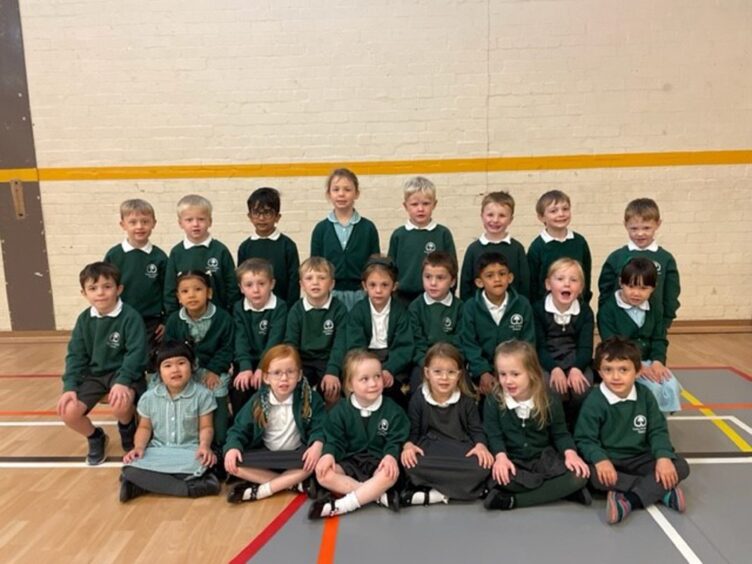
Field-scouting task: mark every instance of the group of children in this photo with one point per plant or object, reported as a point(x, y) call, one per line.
point(243, 369)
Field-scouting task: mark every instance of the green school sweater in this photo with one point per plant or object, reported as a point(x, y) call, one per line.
point(283, 256)
point(100, 345)
point(215, 260)
point(142, 276)
point(399, 334)
point(623, 430)
point(319, 334)
point(408, 248)
point(348, 434)
point(215, 351)
point(246, 434)
point(582, 327)
point(479, 335)
point(524, 440)
point(348, 262)
point(665, 298)
point(513, 251)
point(256, 332)
point(541, 255)
point(651, 337)
point(432, 324)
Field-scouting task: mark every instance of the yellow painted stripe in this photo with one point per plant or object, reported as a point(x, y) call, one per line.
point(722, 425)
point(425, 166)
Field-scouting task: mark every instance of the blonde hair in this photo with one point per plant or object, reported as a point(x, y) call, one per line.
point(194, 201)
point(526, 352)
point(450, 352)
point(136, 205)
point(316, 264)
point(563, 263)
point(352, 359)
point(260, 408)
point(419, 184)
point(501, 198)
point(644, 208)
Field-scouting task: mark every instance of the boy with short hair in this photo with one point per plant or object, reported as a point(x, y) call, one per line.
point(268, 243)
point(419, 236)
point(642, 218)
point(494, 315)
point(624, 436)
point(316, 326)
point(142, 267)
point(556, 241)
point(200, 251)
point(496, 214)
point(435, 315)
point(106, 357)
point(260, 322)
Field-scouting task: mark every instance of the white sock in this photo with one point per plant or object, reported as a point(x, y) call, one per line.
point(346, 504)
point(265, 490)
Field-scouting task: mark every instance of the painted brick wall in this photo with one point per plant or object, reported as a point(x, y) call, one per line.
point(189, 82)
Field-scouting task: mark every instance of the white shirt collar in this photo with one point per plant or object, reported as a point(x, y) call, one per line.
point(652, 247)
point(644, 306)
point(270, 304)
point(274, 401)
point(308, 306)
point(410, 226)
point(187, 244)
point(114, 313)
point(127, 247)
point(354, 218)
point(484, 240)
point(272, 237)
point(208, 314)
point(384, 312)
point(454, 398)
point(368, 410)
point(523, 409)
point(492, 306)
point(561, 318)
point(612, 398)
point(547, 237)
point(447, 301)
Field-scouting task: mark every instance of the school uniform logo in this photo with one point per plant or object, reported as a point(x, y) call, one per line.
point(212, 265)
point(447, 324)
point(657, 266)
point(151, 271)
point(516, 322)
point(640, 424)
point(113, 340)
point(383, 428)
point(430, 247)
point(264, 327)
point(328, 327)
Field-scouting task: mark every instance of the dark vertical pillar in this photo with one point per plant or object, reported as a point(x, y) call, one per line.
point(27, 272)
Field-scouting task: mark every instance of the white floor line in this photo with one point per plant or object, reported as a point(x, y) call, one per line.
point(720, 460)
point(680, 544)
point(733, 418)
point(80, 465)
point(741, 424)
point(46, 423)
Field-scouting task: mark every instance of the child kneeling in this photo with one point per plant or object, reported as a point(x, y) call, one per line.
point(278, 435)
point(172, 453)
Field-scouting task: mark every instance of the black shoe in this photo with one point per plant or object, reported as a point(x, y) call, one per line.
point(322, 508)
point(581, 496)
point(393, 499)
point(208, 484)
point(242, 491)
point(127, 433)
point(407, 498)
point(311, 488)
point(129, 490)
point(496, 499)
point(97, 447)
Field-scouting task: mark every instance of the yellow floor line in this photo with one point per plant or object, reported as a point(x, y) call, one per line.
point(721, 424)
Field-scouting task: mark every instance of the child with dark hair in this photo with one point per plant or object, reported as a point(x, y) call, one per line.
point(267, 242)
point(628, 313)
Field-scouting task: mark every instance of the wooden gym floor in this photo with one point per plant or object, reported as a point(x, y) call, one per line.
point(54, 508)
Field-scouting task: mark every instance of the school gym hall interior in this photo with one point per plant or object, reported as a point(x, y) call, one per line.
point(103, 101)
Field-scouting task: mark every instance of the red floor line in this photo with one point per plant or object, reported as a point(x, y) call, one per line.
point(9, 376)
point(733, 369)
point(271, 529)
point(47, 413)
point(328, 541)
point(719, 406)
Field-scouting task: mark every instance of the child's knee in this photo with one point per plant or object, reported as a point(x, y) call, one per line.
point(73, 412)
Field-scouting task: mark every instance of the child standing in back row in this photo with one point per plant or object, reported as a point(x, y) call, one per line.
point(420, 236)
point(345, 238)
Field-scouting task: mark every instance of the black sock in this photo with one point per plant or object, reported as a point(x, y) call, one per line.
point(634, 500)
point(96, 434)
point(128, 425)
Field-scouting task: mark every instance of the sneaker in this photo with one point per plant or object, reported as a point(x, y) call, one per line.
point(674, 499)
point(97, 447)
point(618, 507)
point(129, 490)
point(242, 491)
point(414, 495)
point(322, 508)
point(496, 499)
point(127, 434)
point(581, 496)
